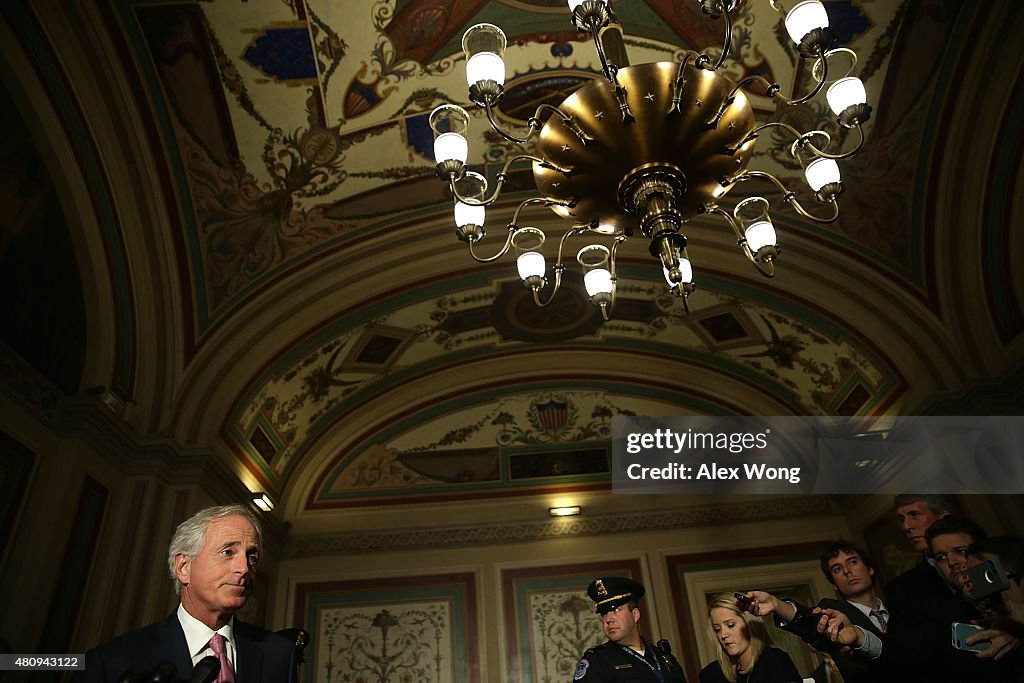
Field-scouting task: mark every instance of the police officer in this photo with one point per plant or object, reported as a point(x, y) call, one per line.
point(626, 657)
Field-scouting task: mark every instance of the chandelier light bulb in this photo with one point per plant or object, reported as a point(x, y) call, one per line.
point(844, 93)
point(450, 146)
point(597, 278)
point(450, 123)
point(680, 279)
point(531, 263)
point(685, 273)
point(821, 172)
point(573, 4)
point(469, 214)
point(804, 18)
point(760, 234)
point(485, 66)
point(758, 230)
point(484, 45)
point(598, 281)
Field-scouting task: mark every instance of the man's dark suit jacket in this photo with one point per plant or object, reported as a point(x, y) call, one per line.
point(260, 656)
point(923, 608)
point(854, 668)
point(915, 587)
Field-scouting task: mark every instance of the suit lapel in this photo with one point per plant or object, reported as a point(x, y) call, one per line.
point(248, 655)
point(173, 647)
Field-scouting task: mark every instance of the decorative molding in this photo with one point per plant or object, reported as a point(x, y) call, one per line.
point(95, 418)
point(708, 515)
point(95, 422)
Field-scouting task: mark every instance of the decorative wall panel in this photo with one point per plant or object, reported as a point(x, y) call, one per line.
point(391, 630)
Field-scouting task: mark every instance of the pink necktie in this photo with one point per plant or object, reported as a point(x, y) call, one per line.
point(227, 674)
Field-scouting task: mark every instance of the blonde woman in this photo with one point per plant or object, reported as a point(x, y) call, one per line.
point(745, 654)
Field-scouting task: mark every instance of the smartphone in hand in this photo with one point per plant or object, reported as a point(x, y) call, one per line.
point(987, 578)
point(743, 602)
point(962, 632)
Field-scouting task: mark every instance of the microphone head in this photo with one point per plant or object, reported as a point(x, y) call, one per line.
point(162, 673)
point(664, 646)
point(205, 670)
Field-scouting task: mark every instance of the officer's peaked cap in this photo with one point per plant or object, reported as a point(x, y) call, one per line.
point(609, 592)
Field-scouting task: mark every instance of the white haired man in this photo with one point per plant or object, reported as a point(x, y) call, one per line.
point(212, 560)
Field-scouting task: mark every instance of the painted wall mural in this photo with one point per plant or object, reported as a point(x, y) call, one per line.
point(401, 629)
point(403, 643)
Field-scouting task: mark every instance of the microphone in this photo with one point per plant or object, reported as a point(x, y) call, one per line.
point(664, 646)
point(205, 670)
point(162, 673)
point(132, 675)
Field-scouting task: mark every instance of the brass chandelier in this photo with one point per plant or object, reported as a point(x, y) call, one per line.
point(646, 146)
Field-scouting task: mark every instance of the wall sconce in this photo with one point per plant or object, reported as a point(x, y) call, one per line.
point(262, 501)
point(565, 511)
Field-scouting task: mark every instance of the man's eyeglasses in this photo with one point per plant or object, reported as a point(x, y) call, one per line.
point(960, 554)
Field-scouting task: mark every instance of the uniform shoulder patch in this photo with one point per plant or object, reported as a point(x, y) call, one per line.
point(581, 670)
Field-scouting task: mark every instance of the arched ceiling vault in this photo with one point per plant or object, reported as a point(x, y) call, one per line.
point(297, 302)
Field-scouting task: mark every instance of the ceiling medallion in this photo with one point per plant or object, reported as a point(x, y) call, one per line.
point(646, 146)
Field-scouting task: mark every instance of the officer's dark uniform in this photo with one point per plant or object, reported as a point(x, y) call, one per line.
point(614, 663)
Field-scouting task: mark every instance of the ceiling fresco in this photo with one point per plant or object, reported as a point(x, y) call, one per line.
point(330, 336)
point(283, 112)
point(812, 366)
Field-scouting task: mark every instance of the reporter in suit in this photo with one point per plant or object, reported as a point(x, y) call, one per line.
point(212, 560)
point(851, 572)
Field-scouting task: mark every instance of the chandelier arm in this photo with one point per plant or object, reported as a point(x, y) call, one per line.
point(607, 68)
point(768, 272)
point(731, 97)
point(772, 90)
point(612, 267)
point(741, 241)
point(543, 162)
point(561, 243)
point(824, 155)
point(608, 306)
point(762, 175)
point(502, 177)
point(559, 269)
point(789, 196)
point(714, 208)
point(504, 249)
point(569, 122)
point(803, 212)
point(777, 6)
point(703, 59)
point(678, 84)
point(546, 201)
point(817, 88)
point(802, 140)
point(620, 96)
point(533, 123)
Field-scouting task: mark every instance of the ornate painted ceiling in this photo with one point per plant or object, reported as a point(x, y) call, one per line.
point(268, 266)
